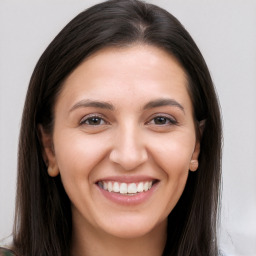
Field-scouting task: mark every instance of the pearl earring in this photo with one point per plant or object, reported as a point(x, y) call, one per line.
point(193, 165)
point(53, 172)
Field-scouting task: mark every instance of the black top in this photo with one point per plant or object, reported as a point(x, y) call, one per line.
point(6, 252)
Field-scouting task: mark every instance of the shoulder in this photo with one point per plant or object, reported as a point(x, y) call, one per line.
point(6, 252)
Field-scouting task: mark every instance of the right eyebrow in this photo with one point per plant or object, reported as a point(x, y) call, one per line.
point(92, 103)
point(164, 102)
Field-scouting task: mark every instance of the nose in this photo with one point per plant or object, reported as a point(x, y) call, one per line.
point(129, 151)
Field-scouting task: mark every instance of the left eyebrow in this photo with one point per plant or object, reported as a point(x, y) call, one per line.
point(163, 102)
point(92, 103)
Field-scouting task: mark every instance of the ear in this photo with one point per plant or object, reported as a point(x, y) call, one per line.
point(48, 152)
point(194, 163)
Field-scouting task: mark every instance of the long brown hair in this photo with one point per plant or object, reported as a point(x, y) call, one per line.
point(43, 216)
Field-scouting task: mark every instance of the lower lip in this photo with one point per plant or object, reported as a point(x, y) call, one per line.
point(128, 199)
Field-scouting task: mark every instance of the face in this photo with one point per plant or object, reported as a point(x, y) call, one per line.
point(124, 140)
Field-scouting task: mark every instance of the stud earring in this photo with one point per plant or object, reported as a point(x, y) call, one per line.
point(53, 172)
point(193, 165)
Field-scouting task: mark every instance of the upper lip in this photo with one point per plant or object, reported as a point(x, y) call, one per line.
point(127, 179)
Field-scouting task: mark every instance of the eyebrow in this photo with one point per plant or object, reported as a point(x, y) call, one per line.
point(163, 102)
point(92, 103)
point(105, 105)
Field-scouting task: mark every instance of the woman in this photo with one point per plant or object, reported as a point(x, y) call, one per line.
point(120, 144)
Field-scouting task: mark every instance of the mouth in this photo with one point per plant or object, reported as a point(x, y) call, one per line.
point(129, 189)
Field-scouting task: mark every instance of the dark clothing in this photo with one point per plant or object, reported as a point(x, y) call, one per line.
point(6, 252)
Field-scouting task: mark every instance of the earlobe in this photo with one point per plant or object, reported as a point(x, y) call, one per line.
point(53, 171)
point(48, 152)
point(193, 166)
point(194, 163)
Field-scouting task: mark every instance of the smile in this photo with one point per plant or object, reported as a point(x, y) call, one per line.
point(126, 188)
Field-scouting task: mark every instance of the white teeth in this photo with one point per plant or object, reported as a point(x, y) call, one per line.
point(132, 189)
point(140, 187)
point(116, 187)
point(109, 186)
point(125, 188)
point(146, 186)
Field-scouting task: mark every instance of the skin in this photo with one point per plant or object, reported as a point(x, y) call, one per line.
point(134, 138)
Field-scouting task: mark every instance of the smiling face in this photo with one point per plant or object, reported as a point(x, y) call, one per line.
point(124, 140)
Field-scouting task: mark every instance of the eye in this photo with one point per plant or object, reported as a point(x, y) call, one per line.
point(93, 121)
point(162, 120)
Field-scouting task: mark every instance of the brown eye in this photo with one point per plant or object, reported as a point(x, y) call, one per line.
point(93, 121)
point(162, 120)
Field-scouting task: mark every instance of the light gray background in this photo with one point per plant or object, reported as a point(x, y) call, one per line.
point(225, 31)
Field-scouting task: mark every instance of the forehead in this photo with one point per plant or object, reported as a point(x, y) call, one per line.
point(144, 57)
point(137, 71)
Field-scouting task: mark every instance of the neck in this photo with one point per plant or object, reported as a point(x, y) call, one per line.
point(90, 243)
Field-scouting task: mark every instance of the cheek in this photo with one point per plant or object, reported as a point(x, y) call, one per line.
point(173, 157)
point(77, 154)
point(173, 154)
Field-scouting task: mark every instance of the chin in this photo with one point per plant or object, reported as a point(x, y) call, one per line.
point(130, 229)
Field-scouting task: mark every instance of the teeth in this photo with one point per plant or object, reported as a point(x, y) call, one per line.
point(116, 187)
point(140, 187)
point(132, 189)
point(125, 188)
point(109, 186)
point(146, 186)
point(105, 186)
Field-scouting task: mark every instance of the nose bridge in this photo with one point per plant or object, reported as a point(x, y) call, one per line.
point(129, 149)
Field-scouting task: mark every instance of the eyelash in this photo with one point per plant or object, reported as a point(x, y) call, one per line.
point(167, 119)
point(90, 118)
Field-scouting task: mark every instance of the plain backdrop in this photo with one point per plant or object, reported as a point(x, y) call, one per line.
point(225, 31)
